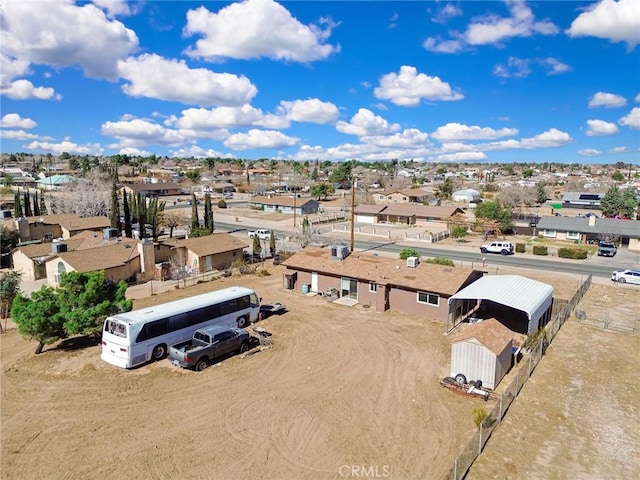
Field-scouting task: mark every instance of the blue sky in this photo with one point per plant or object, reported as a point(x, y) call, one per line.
point(500, 81)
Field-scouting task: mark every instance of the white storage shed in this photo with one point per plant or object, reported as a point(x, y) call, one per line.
point(482, 351)
point(466, 195)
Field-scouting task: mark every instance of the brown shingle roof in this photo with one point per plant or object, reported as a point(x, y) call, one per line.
point(94, 259)
point(420, 211)
point(210, 245)
point(152, 187)
point(72, 222)
point(369, 209)
point(490, 333)
point(82, 241)
point(383, 270)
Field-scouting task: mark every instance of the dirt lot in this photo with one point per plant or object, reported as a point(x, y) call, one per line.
point(577, 417)
point(341, 387)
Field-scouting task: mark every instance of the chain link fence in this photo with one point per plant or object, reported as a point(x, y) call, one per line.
point(523, 371)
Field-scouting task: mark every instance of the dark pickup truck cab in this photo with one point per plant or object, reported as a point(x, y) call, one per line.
point(208, 344)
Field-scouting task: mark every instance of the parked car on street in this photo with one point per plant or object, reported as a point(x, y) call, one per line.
point(626, 276)
point(503, 248)
point(607, 249)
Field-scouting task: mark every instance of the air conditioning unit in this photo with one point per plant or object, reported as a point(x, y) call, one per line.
point(4, 214)
point(412, 262)
point(339, 252)
point(58, 247)
point(109, 233)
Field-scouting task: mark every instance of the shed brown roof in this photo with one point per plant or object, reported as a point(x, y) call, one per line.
point(153, 187)
point(71, 221)
point(490, 333)
point(370, 209)
point(82, 241)
point(210, 244)
point(383, 270)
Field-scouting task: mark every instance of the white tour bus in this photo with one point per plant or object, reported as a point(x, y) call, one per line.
point(133, 338)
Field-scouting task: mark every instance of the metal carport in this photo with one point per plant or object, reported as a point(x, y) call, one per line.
point(534, 299)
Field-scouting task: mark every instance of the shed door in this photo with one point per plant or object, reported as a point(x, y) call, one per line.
point(314, 281)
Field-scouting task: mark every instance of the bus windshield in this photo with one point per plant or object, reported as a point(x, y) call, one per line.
point(115, 328)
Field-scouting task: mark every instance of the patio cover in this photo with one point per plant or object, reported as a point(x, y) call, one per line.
point(514, 291)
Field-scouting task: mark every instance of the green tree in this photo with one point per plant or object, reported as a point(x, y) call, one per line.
point(527, 173)
point(43, 205)
point(36, 204)
point(208, 213)
point(27, 205)
point(322, 190)
point(272, 243)
point(541, 193)
point(9, 289)
point(458, 232)
point(630, 203)
point(127, 216)
point(314, 173)
point(38, 317)
point(494, 211)
point(198, 232)
point(342, 173)
point(408, 252)
point(17, 205)
point(87, 299)
point(193, 175)
point(445, 189)
point(9, 239)
point(114, 215)
point(257, 247)
point(611, 203)
point(195, 222)
point(617, 176)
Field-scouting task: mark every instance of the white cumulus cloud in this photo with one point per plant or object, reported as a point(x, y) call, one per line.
point(66, 146)
point(408, 87)
point(366, 123)
point(632, 119)
point(202, 119)
point(311, 110)
point(552, 138)
point(61, 34)
point(255, 138)
point(139, 133)
point(254, 29)
point(13, 120)
point(589, 152)
point(153, 76)
point(408, 138)
point(607, 100)
point(114, 8)
point(600, 128)
point(613, 20)
point(25, 90)
point(459, 132)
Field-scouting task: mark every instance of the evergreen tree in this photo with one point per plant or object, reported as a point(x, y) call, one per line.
point(43, 205)
point(195, 222)
point(257, 247)
point(36, 204)
point(127, 216)
point(114, 217)
point(272, 243)
point(27, 205)
point(208, 213)
point(17, 205)
point(38, 317)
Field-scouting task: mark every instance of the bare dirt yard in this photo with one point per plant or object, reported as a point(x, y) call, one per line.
point(342, 387)
point(577, 417)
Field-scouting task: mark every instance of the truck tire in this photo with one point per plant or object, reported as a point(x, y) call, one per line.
point(244, 348)
point(483, 250)
point(201, 365)
point(504, 252)
point(159, 352)
point(243, 322)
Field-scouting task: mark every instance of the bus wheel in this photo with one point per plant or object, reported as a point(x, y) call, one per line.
point(159, 352)
point(243, 322)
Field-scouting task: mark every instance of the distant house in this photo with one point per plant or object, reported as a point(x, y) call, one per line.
point(582, 200)
point(54, 182)
point(467, 195)
point(404, 213)
point(591, 229)
point(412, 195)
point(203, 254)
point(63, 225)
point(286, 204)
point(153, 189)
point(381, 283)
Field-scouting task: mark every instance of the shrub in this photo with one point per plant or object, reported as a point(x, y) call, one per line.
point(479, 416)
point(540, 250)
point(440, 261)
point(573, 253)
point(408, 252)
point(520, 247)
point(222, 203)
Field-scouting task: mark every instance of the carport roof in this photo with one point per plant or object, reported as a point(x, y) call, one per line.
point(513, 291)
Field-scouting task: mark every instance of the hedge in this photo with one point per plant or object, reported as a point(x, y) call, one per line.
point(573, 253)
point(540, 250)
point(520, 247)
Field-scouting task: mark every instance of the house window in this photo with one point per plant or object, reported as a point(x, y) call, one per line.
point(549, 233)
point(429, 298)
point(372, 287)
point(48, 236)
point(573, 235)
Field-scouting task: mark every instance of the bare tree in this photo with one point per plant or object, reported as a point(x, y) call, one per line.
point(172, 220)
point(86, 197)
point(179, 266)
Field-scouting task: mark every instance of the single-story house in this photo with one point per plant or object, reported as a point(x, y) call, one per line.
point(62, 225)
point(202, 254)
point(591, 229)
point(467, 195)
point(411, 195)
point(286, 204)
point(120, 261)
point(521, 304)
point(30, 259)
point(153, 189)
point(381, 283)
point(54, 182)
point(482, 351)
point(589, 200)
point(368, 213)
point(406, 213)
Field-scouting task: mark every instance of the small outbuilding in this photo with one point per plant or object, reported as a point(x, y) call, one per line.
point(482, 351)
point(467, 195)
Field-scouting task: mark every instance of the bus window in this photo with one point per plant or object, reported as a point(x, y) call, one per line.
point(116, 328)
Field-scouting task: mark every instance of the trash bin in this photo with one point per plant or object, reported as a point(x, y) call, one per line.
point(305, 288)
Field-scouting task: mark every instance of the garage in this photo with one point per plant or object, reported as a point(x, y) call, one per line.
point(519, 303)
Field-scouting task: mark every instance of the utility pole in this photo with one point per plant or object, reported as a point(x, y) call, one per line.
point(353, 216)
point(294, 208)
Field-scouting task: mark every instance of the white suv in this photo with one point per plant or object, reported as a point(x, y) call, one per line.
point(503, 248)
point(626, 276)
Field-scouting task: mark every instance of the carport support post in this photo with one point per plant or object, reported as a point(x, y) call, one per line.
point(480, 440)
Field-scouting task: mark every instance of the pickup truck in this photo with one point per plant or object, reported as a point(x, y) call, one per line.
point(208, 344)
point(261, 234)
point(607, 249)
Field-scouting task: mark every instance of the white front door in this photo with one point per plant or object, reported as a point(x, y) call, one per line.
point(314, 281)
